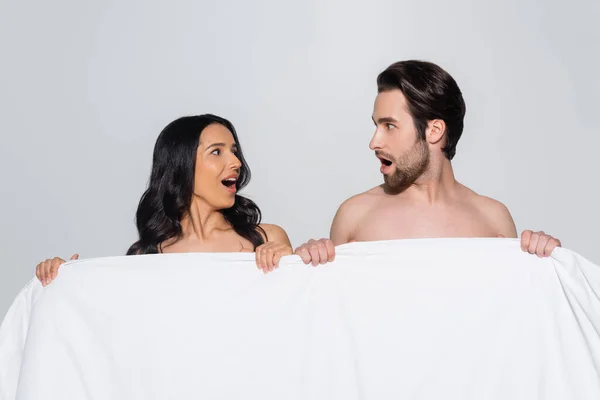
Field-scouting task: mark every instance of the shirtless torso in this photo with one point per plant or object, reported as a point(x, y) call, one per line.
point(376, 215)
point(418, 116)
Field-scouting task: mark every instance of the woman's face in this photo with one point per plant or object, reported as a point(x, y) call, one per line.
point(217, 167)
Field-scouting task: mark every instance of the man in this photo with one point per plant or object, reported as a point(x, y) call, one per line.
point(418, 115)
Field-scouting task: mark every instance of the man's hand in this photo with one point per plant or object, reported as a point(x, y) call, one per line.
point(538, 243)
point(316, 251)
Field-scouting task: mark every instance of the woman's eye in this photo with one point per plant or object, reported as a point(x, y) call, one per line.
point(216, 152)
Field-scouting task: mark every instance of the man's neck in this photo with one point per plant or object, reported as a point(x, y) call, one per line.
point(436, 184)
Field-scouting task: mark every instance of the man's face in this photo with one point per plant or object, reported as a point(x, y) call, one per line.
point(403, 154)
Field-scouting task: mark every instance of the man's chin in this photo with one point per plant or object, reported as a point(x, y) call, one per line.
point(394, 184)
point(390, 180)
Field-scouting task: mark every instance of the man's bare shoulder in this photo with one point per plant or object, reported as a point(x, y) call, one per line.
point(489, 205)
point(494, 211)
point(349, 213)
point(362, 201)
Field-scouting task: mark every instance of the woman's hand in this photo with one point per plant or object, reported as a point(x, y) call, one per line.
point(47, 270)
point(269, 254)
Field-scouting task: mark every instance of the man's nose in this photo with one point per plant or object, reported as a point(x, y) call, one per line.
point(375, 142)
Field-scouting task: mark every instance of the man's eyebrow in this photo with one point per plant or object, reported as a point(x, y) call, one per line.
point(384, 120)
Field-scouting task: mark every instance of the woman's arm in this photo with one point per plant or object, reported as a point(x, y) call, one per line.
point(277, 244)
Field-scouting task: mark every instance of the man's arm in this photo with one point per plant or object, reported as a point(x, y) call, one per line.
point(342, 225)
point(538, 243)
point(501, 219)
point(342, 228)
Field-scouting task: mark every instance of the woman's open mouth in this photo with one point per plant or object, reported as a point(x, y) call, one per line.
point(229, 184)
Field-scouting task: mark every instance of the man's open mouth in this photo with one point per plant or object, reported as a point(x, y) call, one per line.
point(385, 161)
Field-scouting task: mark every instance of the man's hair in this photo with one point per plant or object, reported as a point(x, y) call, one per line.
point(431, 94)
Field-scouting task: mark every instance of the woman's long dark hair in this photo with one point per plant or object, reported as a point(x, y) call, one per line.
point(169, 195)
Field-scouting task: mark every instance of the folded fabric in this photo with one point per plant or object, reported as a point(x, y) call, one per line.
point(408, 319)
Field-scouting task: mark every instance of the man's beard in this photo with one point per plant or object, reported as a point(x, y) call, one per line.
point(409, 167)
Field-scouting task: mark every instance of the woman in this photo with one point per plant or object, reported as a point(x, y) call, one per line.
point(192, 205)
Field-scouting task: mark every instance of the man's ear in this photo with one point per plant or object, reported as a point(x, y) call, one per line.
point(436, 128)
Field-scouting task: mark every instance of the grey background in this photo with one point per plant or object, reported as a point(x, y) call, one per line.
point(86, 86)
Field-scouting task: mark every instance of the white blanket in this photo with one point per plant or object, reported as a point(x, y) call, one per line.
point(414, 319)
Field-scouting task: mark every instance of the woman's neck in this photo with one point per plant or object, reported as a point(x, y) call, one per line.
point(202, 221)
